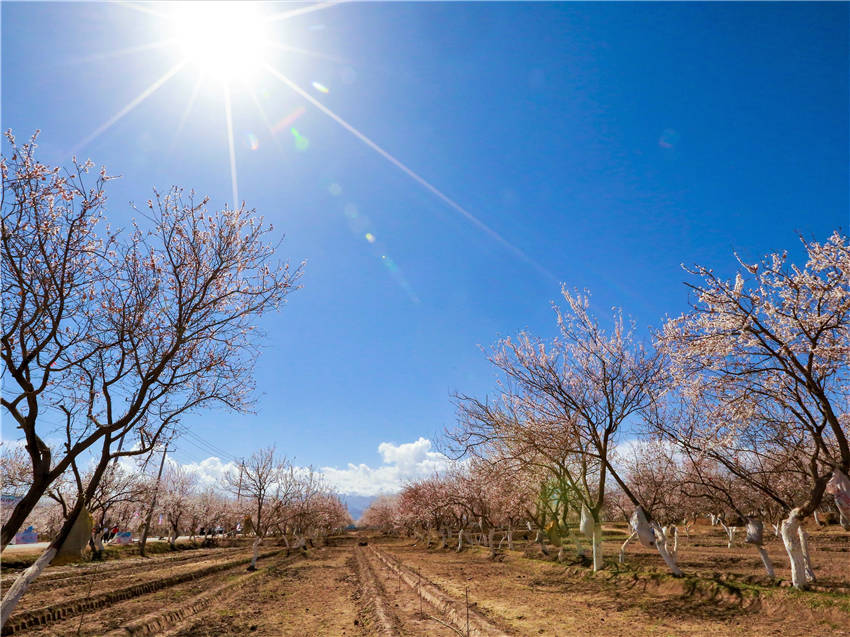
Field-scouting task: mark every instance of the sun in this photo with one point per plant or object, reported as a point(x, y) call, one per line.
point(224, 40)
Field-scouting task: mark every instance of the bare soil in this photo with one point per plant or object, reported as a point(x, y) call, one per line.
point(344, 589)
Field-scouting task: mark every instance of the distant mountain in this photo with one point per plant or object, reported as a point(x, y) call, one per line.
point(357, 504)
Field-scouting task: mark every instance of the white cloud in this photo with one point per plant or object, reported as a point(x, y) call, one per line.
point(210, 472)
point(400, 463)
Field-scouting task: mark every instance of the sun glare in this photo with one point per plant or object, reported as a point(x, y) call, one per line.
point(225, 40)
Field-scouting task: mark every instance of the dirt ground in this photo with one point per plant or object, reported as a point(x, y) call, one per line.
point(347, 589)
point(533, 596)
point(314, 596)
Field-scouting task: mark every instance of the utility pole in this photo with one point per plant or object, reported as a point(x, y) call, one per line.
point(144, 539)
point(239, 488)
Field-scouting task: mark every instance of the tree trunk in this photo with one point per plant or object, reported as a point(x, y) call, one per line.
point(253, 566)
point(597, 547)
point(460, 541)
point(622, 557)
point(539, 540)
point(491, 542)
point(23, 581)
point(804, 546)
point(730, 533)
point(671, 539)
point(97, 541)
point(661, 546)
point(755, 533)
point(651, 534)
point(791, 538)
point(444, 537)
point(765, 559)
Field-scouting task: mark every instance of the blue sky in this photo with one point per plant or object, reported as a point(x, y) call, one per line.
point(608, 143)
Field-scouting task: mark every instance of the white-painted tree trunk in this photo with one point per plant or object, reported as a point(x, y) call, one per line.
point(510, 539)
point(765, 559)
point(622, 557)
point(687, 524)
point(791, 538)
point(597, 547)
point(22, 583)
point(730, 533)
point(254, 557)
point(661, 547)
point(671, 539)
point(804, 547)
point(755, 536)
point(539, 540)
point(460, 541)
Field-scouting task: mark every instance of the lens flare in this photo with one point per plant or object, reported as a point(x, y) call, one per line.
point(321, 87)
point(253, 142)
point(289, 120)
point(370, 237)
point(301, 142)
point(399, 278)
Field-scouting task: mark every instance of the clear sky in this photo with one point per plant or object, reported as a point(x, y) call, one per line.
point(598, 144)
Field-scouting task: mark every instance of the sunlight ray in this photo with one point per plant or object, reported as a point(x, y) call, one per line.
point(265, 117)
point(285, 15)
point(234, 186)
point(141, 97)
point(106, 55)
point(294, 49)
point(142, 8)
point(413, 175)
point(185, 116)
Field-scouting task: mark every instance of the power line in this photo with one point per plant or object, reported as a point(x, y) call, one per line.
point(210, 446)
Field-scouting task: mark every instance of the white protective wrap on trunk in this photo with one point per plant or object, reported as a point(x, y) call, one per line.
point(640, 525)
point(755, 532)
point(839, 487)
